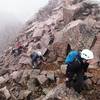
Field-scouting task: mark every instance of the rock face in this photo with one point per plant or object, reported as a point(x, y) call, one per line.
point(78, 35)
point(96, 47)
point(59, 27)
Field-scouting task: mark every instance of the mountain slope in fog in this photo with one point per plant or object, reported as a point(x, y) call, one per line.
point(9, 27)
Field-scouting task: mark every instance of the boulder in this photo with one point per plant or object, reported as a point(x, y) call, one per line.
point(96, 47)
point(24, 94)
point(98, 82)
point(42, 79)
point(60, 92)
point(90, 22)
point(77, 34)
point(51, 56)
point(44, 72)
point(37, 32)
point(2, 80)
point(34, 73)
point(51, 75)
point(6, 92)
point(61, 49)
point(32, 84)
point(2, 96)
point(58, 37)
point(63, 68)
point(6, 76)
point(25, 60)
point(46, 90)
point(97, 24)
point(26, 73)
point(45, 40)
point(16, 75)
point(70, 11)
point(3, 71)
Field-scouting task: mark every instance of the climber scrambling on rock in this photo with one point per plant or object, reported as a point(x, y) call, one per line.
point(17, 50)
point(77, 65)
point(36, 58)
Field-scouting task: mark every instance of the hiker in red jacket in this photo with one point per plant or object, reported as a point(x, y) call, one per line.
point(18, 49)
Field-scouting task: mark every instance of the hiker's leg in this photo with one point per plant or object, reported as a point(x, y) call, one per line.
point(70, 75)
point(79, 83)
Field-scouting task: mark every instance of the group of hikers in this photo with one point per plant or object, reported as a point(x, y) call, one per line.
point(77, 64)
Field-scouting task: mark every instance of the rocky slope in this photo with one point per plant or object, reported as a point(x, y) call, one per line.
point(57, 28)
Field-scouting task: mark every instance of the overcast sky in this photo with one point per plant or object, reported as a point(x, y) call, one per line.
point(23, 9)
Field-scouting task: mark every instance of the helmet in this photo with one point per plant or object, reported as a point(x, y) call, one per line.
point(87, 54)
point(39, 53)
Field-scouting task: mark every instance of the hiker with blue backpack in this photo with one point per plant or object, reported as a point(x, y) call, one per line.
point(77, 64)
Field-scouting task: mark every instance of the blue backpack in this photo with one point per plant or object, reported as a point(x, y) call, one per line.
point(72, 56)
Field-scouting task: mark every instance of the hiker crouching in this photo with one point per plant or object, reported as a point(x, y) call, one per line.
point(17, 50)
point(78, 63)
point(36, 58)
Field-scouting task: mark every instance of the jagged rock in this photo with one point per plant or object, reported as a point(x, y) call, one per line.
point(78, 35)
point(25, 60)
point(26, 73)
point(6, 76)
point(98, 82)
point(97, 25)
point(42, 79)
point(58, 37)
point(3, 71)
point(38, 32)
point(63, 68)
point(60, 60)
point(52, 55)
point(2, 80)
point(61, 49)
point(90, 22)
point(96, 47)
point(16, 75)
point(24, 94)
point(45, 40)
point(61, 92)
point(40, 98)
point(6, 92)
point(34, 73)
point(70, 11)
point(32, 84)
point(51, 75)
point(2, 96)
point(44, 72)
point(46, 90)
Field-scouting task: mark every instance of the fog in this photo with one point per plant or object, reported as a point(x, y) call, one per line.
point(13, 14)
point(22, 9)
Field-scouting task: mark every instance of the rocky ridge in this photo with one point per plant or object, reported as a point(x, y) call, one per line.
point(57, 28)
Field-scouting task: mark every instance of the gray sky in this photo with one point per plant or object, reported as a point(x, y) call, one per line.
point(22, 9)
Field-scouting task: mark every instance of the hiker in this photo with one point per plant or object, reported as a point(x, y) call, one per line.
point(77, 66)
point(36, 58)
point(17, 50)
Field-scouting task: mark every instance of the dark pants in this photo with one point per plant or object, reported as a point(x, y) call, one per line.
point(76, 77)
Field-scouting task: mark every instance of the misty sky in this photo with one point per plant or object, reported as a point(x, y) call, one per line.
point(22, 9)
